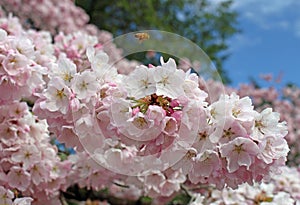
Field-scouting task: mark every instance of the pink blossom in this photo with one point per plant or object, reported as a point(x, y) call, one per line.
point(8, 133)
point(3, 35)
point(24, 46)
point(65, 69)
point(23, 201)
point(85, 85)
point(206, 164)
point(17, 110)
point(140, 82)
point(6, 196)
point(239, 152)
point(168, 79)
point(187, 162)
point(272, 148)
point(15, 64)
point(170, 126)
point(28, 155)
point(242, 109)
point(18, 178)
point(98, 58)
point(57, 96)
point(191, 87)
point(267, 123)
point(156, 113)
point(228, 131)
point(172, 184)
point(39, 173)
point(153, 182)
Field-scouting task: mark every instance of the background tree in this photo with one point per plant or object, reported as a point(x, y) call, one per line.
point(206, 24)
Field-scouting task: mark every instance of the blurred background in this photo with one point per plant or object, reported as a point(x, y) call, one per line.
point(247, 40)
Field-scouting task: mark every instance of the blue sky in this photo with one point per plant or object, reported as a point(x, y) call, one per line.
point(269, 42)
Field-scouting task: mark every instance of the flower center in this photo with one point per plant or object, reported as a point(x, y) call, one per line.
point(159, 100)
point(228, 133)
point(239, 148)
point(140, 123)
point(60, 93)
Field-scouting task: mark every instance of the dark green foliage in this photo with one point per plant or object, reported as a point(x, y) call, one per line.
point(207, 25)
point(180, 199)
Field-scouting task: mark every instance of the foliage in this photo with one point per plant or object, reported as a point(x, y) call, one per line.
point(208, 25)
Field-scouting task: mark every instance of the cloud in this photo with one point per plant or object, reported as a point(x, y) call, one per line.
point(269, 14)
point(275, 14)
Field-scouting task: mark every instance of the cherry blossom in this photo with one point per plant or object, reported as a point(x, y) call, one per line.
point(19, 73)
point(157, 130)
point(18, 178)
point(27, 155)
point(84, 85)
point(273, 191)
point(143, 79)
point(28, 160)
point(65, 69)
point(6, 196)
point(135, 125)
point(57, 96)
point(23, 201)
point(168, 79)
point(239, 152)
point(268, 123)
point(273, 148)
point(208, 162)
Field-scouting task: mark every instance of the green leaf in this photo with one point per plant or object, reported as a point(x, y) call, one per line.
point(180, 199)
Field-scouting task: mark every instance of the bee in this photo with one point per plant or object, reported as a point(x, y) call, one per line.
point(142, 36)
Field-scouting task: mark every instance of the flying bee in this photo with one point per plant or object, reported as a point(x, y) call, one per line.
point(142, 36)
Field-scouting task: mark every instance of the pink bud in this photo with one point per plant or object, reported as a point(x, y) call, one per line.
point(135, 111)
point(98, 46)
point(151, 66)
point(174, 103)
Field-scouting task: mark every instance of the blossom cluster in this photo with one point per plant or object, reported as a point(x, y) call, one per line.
point(155, 125)
point(86, 173)
point(20, 75)
point(281, 189)
point(63, 16)
point(7, 197)
point(46, 15)
point(29, 163)
point(149, 129)
point(286, 102)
